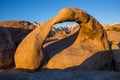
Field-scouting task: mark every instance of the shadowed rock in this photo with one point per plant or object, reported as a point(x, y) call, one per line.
point(90, 48)
point(11, 34)
point(90, 40)
point(18, 29)
point(7, 48)
point(113, 33)
point(29, 54)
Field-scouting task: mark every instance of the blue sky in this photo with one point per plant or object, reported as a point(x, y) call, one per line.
point(105, 11)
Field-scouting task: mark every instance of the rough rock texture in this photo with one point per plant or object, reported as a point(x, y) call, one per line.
point(74, 30)
point(113, 36)
point(116, 55)
point(62, 75)
point(7, 48)
point(115, 27)
point(29, 54)
point(60, 35)
point(87, 49)
point(113, 33)
point(17, 24)
point(18, 29)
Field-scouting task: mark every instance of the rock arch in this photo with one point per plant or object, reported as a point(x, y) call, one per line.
point(90, 40)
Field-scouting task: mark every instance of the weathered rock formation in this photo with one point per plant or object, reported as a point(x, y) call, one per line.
point(7, 48)
point(113, 33)
point(88, 50)
point(17, 24)
point(11, 34)
point(115, 27)
point(29, 54)
point(60, 35)
point(115, 47)
point(18, 29)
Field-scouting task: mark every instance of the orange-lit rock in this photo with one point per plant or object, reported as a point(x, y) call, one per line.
point(60, 35)
point(88, 50)
point(113, 33)
point(18, 29)
point(29, 54)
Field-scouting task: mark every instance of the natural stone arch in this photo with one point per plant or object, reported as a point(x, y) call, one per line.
point(29, 54)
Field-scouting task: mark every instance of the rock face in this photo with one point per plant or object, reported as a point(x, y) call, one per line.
point(116, 55)
point(11, 34)
point(60, 35)
point(29, 54)
point(18, 29)
point(17, 24)
point(7, 48)
point(114, 38)
point(88, 50)
point(115, 27)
